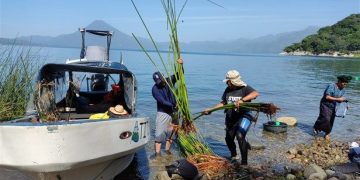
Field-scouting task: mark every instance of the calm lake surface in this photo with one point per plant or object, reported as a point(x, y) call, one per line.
point(295, 84)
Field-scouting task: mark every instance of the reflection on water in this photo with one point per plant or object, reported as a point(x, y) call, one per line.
point(295, 84)
point(327, 69)
point(7, 174)
point(137, 169)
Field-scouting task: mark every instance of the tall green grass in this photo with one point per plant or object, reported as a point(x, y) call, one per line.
point(190, 141)
point(18, 66)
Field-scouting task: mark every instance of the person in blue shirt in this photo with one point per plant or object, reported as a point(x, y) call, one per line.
point(166, 107)
point(333, 93)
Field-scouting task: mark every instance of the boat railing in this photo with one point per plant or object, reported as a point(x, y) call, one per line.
point(30, 118)
point(108, 35)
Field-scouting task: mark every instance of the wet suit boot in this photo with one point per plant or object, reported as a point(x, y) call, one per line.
point(244, 146)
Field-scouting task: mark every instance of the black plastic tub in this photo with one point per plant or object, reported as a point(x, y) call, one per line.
point(271, 126)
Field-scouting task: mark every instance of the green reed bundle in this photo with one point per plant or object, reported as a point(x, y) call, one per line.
point(190, 142)
point(267, 108)
point(17, 69)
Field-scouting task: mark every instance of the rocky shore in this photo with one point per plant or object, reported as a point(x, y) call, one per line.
point(329, 54)
point(314, 161)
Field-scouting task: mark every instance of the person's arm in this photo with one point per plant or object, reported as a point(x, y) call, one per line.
point(160, 98)
point(173, 77)
point(339, 99)
point(329, 92)
point(207, 110)
point(247, 98)
point(221, 104)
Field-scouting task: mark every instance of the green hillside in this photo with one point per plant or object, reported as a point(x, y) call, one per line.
point(342, 37)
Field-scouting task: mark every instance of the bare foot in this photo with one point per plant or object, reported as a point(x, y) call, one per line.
point(168, 152)
point(155, 156)
point(327, 137)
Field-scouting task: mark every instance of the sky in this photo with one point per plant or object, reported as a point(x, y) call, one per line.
point(201, 20)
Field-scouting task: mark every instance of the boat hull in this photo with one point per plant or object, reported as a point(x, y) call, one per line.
point(101, 171)
point(62, 146)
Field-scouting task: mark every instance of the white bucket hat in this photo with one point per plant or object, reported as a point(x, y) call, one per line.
point(234, 77)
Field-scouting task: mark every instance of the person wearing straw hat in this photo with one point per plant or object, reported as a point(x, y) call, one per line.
point(237, 92)
point(333, 95)
point(166, 107)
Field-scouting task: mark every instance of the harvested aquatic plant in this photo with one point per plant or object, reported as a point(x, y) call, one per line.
point(210, 165)
point(192, 143)
point(44, 101)
point(189, 141)
point(269, 109)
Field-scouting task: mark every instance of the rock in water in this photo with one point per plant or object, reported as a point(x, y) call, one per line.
point(314, 169)
point(162, 175)
point(290, 121)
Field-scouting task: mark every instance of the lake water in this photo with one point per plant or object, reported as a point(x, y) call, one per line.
point(295, 84)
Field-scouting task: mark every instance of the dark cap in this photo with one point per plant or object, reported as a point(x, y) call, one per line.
point(344, 78)
point(158, 78)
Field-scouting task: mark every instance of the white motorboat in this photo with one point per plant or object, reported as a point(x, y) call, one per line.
point(72, 135)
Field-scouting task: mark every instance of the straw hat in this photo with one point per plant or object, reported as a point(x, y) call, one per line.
point(118, 110)
point(234, 77)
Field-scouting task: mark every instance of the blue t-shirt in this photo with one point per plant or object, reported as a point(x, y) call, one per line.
point(333, 91)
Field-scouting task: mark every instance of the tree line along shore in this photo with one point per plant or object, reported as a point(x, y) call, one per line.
point(339, 40)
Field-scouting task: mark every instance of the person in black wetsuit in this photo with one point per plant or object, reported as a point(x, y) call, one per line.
point(236, 92)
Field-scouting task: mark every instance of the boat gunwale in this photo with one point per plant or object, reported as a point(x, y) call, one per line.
point(70, 122)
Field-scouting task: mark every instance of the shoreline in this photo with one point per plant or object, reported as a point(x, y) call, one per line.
point(333, 54)
point(317, 159)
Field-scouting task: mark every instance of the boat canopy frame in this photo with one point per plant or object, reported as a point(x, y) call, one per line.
point(108, 35)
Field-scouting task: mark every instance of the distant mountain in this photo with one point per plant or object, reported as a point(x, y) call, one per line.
point(275, 43)
point(264, 44)
point(340, 38)
point(120, 40)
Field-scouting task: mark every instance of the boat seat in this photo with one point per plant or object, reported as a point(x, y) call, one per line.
point(74, 115)
point(98, 82)
point(94, 97)
point(95, 53)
